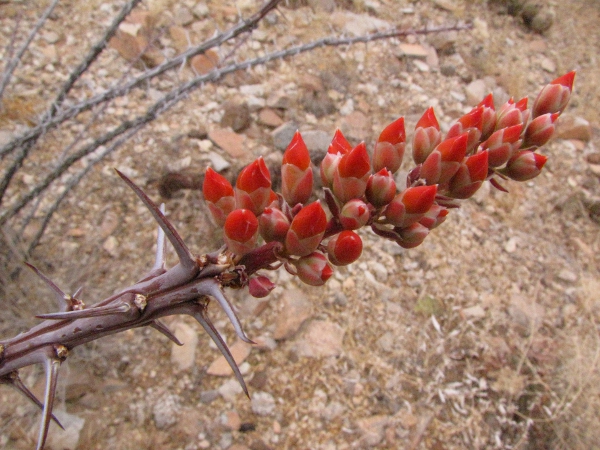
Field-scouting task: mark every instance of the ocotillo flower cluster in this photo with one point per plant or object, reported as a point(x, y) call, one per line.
point(264, 230)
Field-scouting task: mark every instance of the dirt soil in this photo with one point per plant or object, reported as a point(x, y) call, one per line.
point(485, 336)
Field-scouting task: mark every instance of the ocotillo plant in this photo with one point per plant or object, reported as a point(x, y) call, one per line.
point(265, 230)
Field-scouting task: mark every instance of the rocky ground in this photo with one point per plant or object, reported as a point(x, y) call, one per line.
point(485, 336)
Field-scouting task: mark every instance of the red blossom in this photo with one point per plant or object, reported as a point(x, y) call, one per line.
point(344, 248)
point(306, 230)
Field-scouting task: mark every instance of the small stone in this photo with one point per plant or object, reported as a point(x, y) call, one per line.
point(567, 275)
point(231, 420)
point(474, 312)
point(278, 100)
point(204, 63)
point(200, 10)
point(269, 118)
point(179, 37)
point(538, 46)
point(235, 116)
point(372, 429)
point(296, 308)
point(511, 245)
point(263, 403)
point(166, 411)
point(386, 342)
point(443, 42)
point(183, 356)
point(593, 158)
point(548, 65)
point(111, 245)
point(380, 271)
point(283, 135)
point(220, 367)
point(51, 37)
point(229, 141)
point(356, 126)
point(217, 162)
point(66, 439)
point(475, 92)
point(321, 338)
point(421, 66)
point(230, 389)
point(412, 51)
point(259, 380)
point(357, 24)
point(208, 397)
point(183, 16)
point(542, 21)
point(318, 103)
point(333, 410)
point(573, 127)
point(317, 142)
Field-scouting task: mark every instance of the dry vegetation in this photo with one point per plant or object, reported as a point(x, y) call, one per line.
point(484, 337)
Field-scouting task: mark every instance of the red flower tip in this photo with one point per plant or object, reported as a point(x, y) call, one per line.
point(394, 132)
point(381, 188)
point(260, 286)
point(478, 166)
point(473, 119)
point(310, 221)
point(567, 80)
point(354, 214)
point(524, 166)
point(453, 149)
point(419, 199)
point(241, 225)
point(254, 176)
point(216, 186)
point(296, 153)
point(487, 102)
point(428, 119)
point(339, 144)
point(345, 248)
point(355, 164)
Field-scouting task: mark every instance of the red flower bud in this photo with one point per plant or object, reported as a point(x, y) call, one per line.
point(411, 236)
point(389, 149)
point(339, 144)
point(410, 205)
point(540, 130)
point(296, 173)
point(253, 187)
point(471, 124)
point(512, 113)
point(427, 136)
point(350, 178)
point(307, 230)
point(260, 286)
point(313, 269)
point(344, 248)
point(219, 196)
point(381, 188)
point(354, 214)
point(554, 97)
point(502, 144)
point(444, 161)
point(434, 217)
point(241, 227)
point(488, 118)
point(328, 167)
point(470, 176)
point(524, 165)
point(273, 225)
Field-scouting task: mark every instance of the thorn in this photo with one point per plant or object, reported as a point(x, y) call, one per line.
point(203, 319)
point(214, 289)
point(185, 257)
point(161, 246)
point(52, 366)
point(119, 308)
point(162, 328)
point(497, 185)
point(14, 380)
point(65, 302)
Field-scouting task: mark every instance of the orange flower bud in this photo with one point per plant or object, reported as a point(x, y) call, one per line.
point(441, 165)
point(389, 149)
point(524, 165)
point(350, 178)
point(219, 196)
point(240, 231)
point(540, 130)
point(354, 214)
point(381, 188)
point(488, 118)
point(470, 176)
point(306, 230)
point(410, 205)
point(344, 248)
point(427, 136)
point(253, 187)
point(502, 144)
point(313, 269)
point(471, 124)
point(296, 173)
point(273, 225)
point(554, 97)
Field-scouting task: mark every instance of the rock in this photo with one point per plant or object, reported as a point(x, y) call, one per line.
point(220, 367)
point(443, 42)
point(296, 308)
point(235, 116)
point(229, 141)
point(321, 338)
point(475, 91)
point(208, 397)
point(283, 134)
point(526, 313)
point(542, 20)
point(548, 65)
point(204, 63)
point(51, 37)
point(183, 16)
point(66, 439)
point(111, 246)
point(217, 162)
point(230, 389)
point(357, 24)
point(231, 420)
point(166, 411)
point(372, 429)
point(322, 5)
point(179, 37)
point(333, 410)
point(317, 142)
point(356, 126)
point(183, 356)
point(573, 127)
point(386, 342)
point(200, 10)
point(511, 245)
point(263, 403)
point(279, 100)
point(474, 312)
point(318, 104)
point(269, 118)
point(421, 66)
point(412, 51)
point(567, 276)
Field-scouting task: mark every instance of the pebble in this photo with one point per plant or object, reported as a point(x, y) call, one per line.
point(283, 134)
point(166, 411)
point(511, 245)
point(217, 162)
point(269, 118)
point(220, 367)
point(235, 116)
point(208, 397)
point(567, 275)
point(111, 245)
point(204, 63)
point(321, 338)
point(357, 24)
point(229, 141)
point(356, 126)
point(295, 309)
point(474, 312)
point(548, 65)
point(317, 142)
point(66, 439)
point(372, 429)
point(231, 420)
point(380, 271)
point(230, 389)
point(412, 51)
point(573, 127)
point(183, 356)
point(475, 92)
point(333, 410)
point(262, 403)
